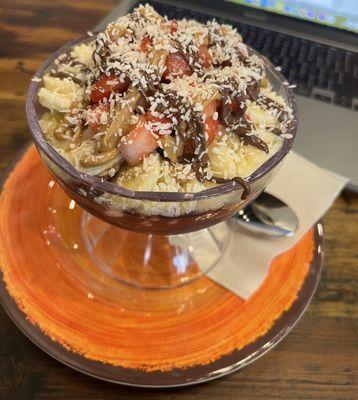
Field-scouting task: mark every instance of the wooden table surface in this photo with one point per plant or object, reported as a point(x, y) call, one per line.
point(318, 360)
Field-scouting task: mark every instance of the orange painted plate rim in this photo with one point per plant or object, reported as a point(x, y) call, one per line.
point(223, 366)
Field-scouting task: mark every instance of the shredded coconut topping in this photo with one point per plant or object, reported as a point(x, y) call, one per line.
point(188, 93)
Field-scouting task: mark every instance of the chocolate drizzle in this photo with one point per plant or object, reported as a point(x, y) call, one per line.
point(236, 121)
point(241, 181)
point(195, 151)
point(65, 75)
point(276, 131)
point(269, 104)
point(245, 131)
point(190, 54)
point(191, 132)
point(253, 90)
point(68, 59)
point(226, 115)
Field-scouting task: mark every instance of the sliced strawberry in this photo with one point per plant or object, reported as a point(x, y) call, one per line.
point(212, 126)
point(94, 113)
point(171, 26)
point(151, 118)
point(205, 56)
point(176, 66)
point(106, 85)
point(158, 125)
point(139, 142)
point(234, 105)
point(146, 44)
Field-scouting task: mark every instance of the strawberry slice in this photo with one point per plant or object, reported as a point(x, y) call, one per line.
point(158, 125)
point(94, 114)
point(212, 126)
point(146, 44)
point(234, 105)
point(175, 66)
point(205, 56)
point(106, 85)
point(170, 26)
point(139, 142)
point(173, 26)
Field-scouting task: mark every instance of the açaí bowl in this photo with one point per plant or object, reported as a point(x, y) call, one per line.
point(192, 211)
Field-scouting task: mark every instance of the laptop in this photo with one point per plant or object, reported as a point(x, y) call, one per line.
point(316, 45)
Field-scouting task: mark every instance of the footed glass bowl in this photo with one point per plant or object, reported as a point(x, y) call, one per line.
point(153, 239)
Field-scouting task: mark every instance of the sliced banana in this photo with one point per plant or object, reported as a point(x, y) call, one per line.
point(49, 122)
point(260, 117)
point(222, 159)
point(158, 57)
point(172, 147)
point(82, 155)
point(59, 94)
point(121, 121)
point(83, 53)
point(142, 177)
point(205, 93)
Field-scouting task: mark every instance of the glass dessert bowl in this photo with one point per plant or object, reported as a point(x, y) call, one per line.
point(155, 239)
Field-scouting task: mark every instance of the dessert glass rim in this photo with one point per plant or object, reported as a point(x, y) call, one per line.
point(109, 187)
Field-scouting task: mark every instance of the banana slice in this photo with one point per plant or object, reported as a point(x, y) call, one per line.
point(205, 93)
point(49, 122)
point(193, 186)
point(59, 94)
point(142, 177)
point(222, 160)
point(83, 54)
point(260, 117)
point(103, 165)
point(158, 57)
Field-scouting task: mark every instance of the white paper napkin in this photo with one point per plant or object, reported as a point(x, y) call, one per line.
point(309, 190)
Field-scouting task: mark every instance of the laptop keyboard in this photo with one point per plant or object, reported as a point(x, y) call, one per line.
point(323, 72)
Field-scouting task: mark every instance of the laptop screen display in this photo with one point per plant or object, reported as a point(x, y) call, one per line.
point(341, 14)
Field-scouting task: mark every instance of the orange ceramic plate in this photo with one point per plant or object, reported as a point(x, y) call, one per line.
point(154, 338)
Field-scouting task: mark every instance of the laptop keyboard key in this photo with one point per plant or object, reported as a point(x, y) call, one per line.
point(338, 65)
point(276, 59)
point(304, 71)
point(331, 55)
point(341, 78)
point(303, 89)
point(303, 53)
point(322, 78)
point(311, 79)
point(294, 48)
point(292, 75)
point(284, 51)
point(244, 29)
point(285, 65)
point(348, 62)
point(332, 80)
point(355, 70)
point(251, 36)
point(266, 50)
point(320, 61)
point(312, 53)
point(346, 101)
point(277, 43)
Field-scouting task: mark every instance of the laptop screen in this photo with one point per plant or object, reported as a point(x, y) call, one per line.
point(341, 14)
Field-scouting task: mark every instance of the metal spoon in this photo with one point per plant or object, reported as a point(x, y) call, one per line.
point(268, 214)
